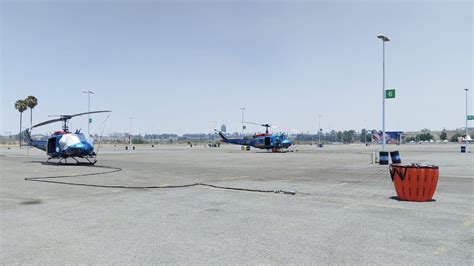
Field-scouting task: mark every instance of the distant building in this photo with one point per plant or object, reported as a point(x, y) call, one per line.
point(223, 128)
point(118, 135)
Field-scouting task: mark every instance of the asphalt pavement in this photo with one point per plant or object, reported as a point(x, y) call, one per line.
point(343, 211)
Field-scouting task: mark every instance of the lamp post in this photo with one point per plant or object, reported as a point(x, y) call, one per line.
point(243, 109)
point(130, 132)
point(214, 132)
point(319, 131)
point(153, 137)
point(467, 131)
point(88, 110)
point(365, 132)
point(384, 39)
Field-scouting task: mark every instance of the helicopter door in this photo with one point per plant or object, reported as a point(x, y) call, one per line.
point(268, 141)
point(51, 146)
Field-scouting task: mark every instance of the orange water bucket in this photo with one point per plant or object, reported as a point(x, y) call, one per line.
point(414, 182)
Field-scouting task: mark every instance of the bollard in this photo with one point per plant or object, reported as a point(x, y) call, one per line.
point(395, 155)
point(374, 158)
point(126, 148)
point(463, 149)
point(383, 158)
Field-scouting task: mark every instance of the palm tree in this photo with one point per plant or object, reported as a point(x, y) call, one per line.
point(31, 102)
point(21, 106)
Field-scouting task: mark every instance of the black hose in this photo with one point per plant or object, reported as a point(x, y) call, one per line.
point(47, 179)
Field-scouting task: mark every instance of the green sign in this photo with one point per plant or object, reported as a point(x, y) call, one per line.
point(389, 93)
point(470, 117)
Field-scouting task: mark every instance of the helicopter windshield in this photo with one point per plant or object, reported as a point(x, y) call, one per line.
point(282, 135)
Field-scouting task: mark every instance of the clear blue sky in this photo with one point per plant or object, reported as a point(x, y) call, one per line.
point(177, 67)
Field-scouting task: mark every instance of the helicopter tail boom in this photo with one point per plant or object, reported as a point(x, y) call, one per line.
point(233, 141)
point(39, 144)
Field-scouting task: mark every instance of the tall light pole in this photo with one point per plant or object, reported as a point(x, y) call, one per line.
point(88, 110)
point(243, 109)
point(365, 132)
point(130, 132)
point(467, 131)
point(213, 131)
point(384, 39)
point(319, 131)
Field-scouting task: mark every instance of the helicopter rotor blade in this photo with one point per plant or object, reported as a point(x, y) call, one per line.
point(66, 117)
point(252, 123)
point(259, 124)
point(290, 129)
point(93, 112)
point(273, 126)
point(287, 129)
point(47, 122)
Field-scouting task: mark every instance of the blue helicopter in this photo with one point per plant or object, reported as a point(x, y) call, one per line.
point(63, 144)
point(267, 141)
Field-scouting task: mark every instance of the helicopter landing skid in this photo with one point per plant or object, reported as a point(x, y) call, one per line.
point(279, 150)
point(63, 161)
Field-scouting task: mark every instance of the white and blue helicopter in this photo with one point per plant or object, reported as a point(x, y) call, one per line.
point(270, 142)
point(63, 144)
